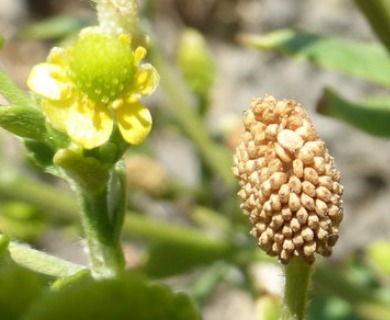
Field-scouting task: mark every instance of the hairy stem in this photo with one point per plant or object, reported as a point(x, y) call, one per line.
point(104, 249)
point(297, 275)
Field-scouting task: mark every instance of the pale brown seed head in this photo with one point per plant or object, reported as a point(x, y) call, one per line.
point(290, 187)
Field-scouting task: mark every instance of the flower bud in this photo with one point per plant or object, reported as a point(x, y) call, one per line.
point(87, 172)
point(294, 202)
point(118, 16)
point(196, 62)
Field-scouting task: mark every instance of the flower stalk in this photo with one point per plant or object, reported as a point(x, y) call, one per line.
point(102, 215)
point(105, 253)
point(297, 275)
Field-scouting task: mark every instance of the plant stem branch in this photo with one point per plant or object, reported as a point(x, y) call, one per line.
point(297, 275)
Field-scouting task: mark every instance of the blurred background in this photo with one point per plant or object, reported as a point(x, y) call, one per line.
point(171, 182)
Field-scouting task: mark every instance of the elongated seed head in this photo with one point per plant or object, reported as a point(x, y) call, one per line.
point(289, 184)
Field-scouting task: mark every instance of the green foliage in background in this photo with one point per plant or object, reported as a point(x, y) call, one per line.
point(369, 61)
point(211, 242)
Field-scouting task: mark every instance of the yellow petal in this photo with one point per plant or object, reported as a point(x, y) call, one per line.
point(145, 82)
point(57, 112)
point(49, 81)
point(134, 122)
point(89, 124)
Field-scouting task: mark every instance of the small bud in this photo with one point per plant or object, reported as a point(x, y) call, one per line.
point(293, 192)
point(118, 16)
point(196, 62)
point(87, 172)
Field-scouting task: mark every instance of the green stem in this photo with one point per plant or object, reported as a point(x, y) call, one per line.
point(297, 275)
point(104, 249)
point(214, 155)
point(59, 203)
point(141, 226)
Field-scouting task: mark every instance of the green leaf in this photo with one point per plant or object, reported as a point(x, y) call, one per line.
point(12, 93)
point(377, 13)
point(20, 288)
point(131, 297)
point(42, 262)
point(365, 60)
point(371, 115)
point(24, 122)
point(53, 27)
point(168, 259)
point(41, 156)
point(1, 42)
point(204, 285)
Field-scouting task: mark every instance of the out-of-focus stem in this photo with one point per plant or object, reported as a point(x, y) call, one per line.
point(214, 155)
point(59, 203)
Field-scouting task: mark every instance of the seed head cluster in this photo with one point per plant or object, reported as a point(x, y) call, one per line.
point(289, 184)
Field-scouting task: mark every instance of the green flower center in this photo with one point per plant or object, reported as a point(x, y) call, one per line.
point(102, 67)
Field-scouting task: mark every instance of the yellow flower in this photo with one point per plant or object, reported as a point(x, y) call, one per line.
point(97, 83)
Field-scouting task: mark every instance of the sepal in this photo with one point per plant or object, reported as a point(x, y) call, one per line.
point(87, 172)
